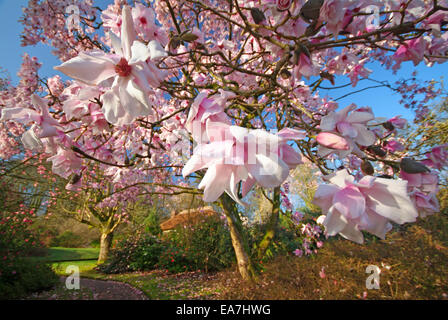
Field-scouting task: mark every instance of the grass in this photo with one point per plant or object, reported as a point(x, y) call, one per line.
point(85, 267)
point(71, 254)
point(61, 258)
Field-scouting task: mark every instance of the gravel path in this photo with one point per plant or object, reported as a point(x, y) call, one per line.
point(91, 289)
point(110, 290)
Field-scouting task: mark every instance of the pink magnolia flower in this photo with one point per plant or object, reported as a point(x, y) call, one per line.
point(145, 24)
point(393, 146)
point(65, 162)
point(332, 13)
point(412, 50)
point(398, 122)
point(438, 157)
point(426, 203)
point(45, 125)
point(239, 154)
point(351, 125)
point(205, 109)
point(131, 74)
point(358, 71)
point(368, 205)
point(332, 141)
point(427, 182)
point(283, 4)
point(79, 96)
point(111, 18)
point(435, 22)
point(305, 67)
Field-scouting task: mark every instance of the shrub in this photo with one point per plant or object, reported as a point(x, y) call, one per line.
point(285, 241)
point(207, 244)
point(94, 243)
point(68, 240)
point(203, 246)
point(24, 276)
point(19, 274)
point(136, 253)
point(152, 223)
point(175, 259)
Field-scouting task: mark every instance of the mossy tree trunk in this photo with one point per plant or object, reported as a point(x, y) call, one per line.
point(271, 226)
point(105, 244)
point(246, 266)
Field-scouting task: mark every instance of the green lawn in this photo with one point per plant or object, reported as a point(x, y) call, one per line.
point(85, 267)
point(60, 258)
point(58, 254)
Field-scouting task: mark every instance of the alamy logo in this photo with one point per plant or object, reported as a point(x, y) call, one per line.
point(373, 281)
point(72, 281)
point(373, 20)
point(72, 21)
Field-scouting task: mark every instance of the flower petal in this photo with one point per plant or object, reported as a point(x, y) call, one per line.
point(291, 134)
point(332, 141)
point(139, 52)
point(323, 197)
point(128, 34)
point(365, 136)
point(350, 202)
point(194, 164)
point(334, 222)
point(352, 233)
point(269, 171)
point(22, 115)
point(156, 50)
point(360, 117)
point(30, 140)
point(215, 181)
point(116, 43)
point(90, 68)
point(389, 198)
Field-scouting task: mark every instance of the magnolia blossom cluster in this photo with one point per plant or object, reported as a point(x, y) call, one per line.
point(46, 21)
point(130, 72)
point(311, 233)
point(243, 79)
point(343, 132)
point(370, 204)
point(423, 188)
point(233, 154)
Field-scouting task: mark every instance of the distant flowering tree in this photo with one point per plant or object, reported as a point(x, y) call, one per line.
point(240, 81)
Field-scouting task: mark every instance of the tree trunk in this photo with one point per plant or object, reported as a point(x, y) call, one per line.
point(272, 225)
point(105, 243)
point(246, 266)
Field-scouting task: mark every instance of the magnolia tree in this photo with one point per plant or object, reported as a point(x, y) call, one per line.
point(238, 84)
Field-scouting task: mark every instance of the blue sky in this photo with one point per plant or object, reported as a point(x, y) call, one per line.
point(382, 100)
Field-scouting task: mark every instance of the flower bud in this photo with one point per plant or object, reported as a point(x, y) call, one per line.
point(377, 150)
point(409, 165)
point(332, 141)
point(367, 168)
point(388, 126)
point(257, 15)
point(283, 4)
point(285, 74)
point(311, 10)
point(189, 37)
point(75, 178)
